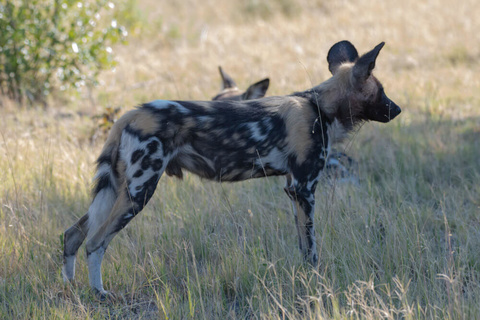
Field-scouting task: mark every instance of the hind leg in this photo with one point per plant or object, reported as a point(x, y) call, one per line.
point(75, 235)
point(131, 200)
point(73, 239)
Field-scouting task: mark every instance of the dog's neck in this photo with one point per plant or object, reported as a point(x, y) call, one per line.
point(341, 116)
point(346, 110)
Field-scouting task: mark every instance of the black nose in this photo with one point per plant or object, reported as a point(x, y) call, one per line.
point(395, 111)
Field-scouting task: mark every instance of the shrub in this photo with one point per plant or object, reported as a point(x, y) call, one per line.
point(54, 44)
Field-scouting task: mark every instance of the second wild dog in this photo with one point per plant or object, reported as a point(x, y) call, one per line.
point(230, 90)
point(228, 141)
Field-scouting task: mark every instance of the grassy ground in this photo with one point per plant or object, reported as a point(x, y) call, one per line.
point(402, 243)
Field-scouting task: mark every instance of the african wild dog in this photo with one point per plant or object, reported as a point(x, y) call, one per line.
point(230, 90)
point(228, 141)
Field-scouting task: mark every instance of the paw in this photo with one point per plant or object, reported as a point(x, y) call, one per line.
point(66, 275)
point(311, 258)
point(104, 295)
point(68, 269)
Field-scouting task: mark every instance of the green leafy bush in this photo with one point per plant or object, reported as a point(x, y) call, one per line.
point(54, 44)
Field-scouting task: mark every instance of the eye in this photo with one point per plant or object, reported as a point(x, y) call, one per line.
point(370, 95)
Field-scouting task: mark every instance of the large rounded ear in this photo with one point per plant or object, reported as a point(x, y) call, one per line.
point(365, 64)
point(339, 53)
point(227, 81)
point(257, 90)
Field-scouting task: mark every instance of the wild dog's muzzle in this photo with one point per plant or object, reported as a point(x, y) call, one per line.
point(384, 110)
point(392, 110)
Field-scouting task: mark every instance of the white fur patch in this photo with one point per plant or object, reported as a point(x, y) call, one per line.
point(275, 159)
point(167, 104)
point(102, 170)
point(99, 210)
point(336, 131)
point(68, 270)
point(309, 187)
point(229, 90)
point(128, 216)
point(94, 269)
point(128, 145)
point(255, 130)
point(204, 118)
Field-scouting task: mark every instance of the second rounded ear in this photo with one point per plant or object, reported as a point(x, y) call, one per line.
point(257, 90)
point(341, 52)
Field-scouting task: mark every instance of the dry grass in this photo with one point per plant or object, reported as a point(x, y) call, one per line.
point(403, 243)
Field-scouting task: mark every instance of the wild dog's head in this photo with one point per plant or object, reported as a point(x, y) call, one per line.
point(353, 93)
point(230, 90)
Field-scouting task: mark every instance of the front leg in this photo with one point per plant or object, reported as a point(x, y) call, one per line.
point(302, 196)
